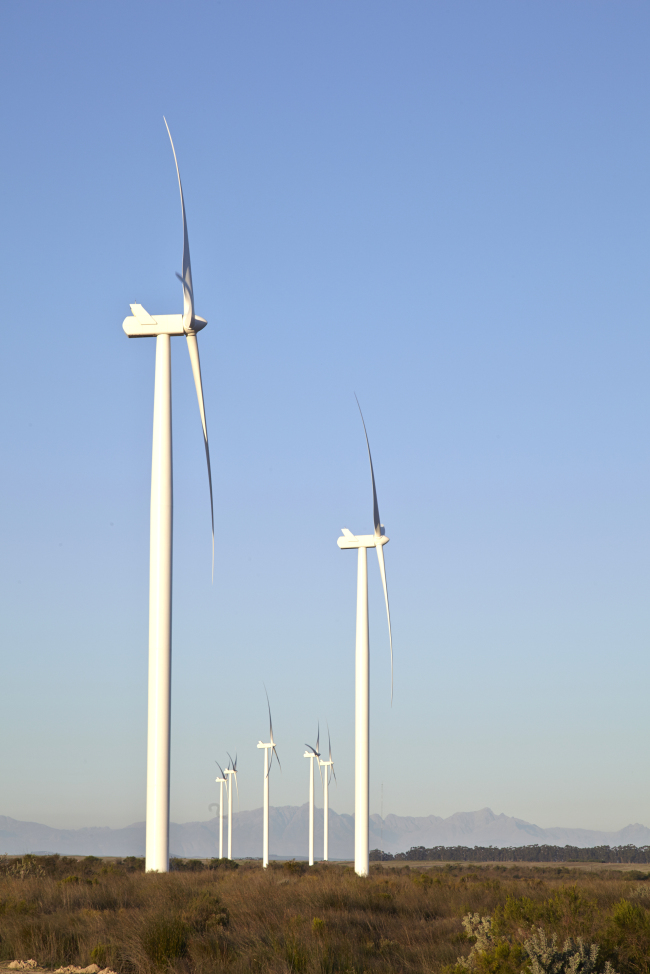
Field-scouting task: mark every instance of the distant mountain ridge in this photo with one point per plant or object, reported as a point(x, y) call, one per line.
point(288, 828)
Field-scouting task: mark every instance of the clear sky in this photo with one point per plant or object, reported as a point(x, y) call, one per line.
point(440, 206)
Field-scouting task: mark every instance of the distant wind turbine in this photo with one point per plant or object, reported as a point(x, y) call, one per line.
point(230, 771)
point(329, 770)
point(267, 768)
point(221, 782)
point(313, 753)
point(362, 671)
point(162, 328)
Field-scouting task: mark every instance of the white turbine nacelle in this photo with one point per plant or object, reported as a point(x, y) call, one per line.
point(350, 540)
point(143, 325)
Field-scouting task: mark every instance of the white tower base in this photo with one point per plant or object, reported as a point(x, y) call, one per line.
point(361, 723)
point(160, 616)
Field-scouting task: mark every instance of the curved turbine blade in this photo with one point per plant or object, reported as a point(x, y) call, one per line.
point(273, 749)
point(188, 318)
point(186, 279)
point(193, 348)
point(330, 769)
point(220, 769)
point(382, 571)
point(318, 740)
point(270, 720)
point(380, 548)
point(375, 506)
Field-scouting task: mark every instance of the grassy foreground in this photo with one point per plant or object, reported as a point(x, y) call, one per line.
point(325, 919)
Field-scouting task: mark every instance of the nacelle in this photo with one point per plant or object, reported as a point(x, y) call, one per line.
point(350, 540)
point(144, 325)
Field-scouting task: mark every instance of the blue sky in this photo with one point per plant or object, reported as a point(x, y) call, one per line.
point(442, 207)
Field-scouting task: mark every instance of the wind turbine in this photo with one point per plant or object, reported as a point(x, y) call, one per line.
point(162, 327)
point(221, 782)
point(313, 754)
point(231, 770)
point(362, 670)
point(329, 765)
point(267, 768)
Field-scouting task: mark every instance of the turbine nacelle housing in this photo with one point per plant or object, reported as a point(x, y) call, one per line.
point(143, 325)
point(350, 540)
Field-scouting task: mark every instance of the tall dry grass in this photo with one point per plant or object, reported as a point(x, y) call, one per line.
point(312, 921)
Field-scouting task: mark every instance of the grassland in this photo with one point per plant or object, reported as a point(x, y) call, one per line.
point(312, 921)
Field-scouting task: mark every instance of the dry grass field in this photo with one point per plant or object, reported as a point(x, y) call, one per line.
point(322, 920)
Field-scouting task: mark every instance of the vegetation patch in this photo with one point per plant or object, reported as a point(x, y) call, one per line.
point(211, 918)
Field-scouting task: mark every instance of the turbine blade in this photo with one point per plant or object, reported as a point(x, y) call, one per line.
point(186, 279)
point(375, 506)
point(274, 751)
point(329, 741)
point(231, 764)
point(237, 787)
point(270, 721)
point(334, 773)
point(220, 769)
point(193, 348)
point(318, 740)
point(382, 570)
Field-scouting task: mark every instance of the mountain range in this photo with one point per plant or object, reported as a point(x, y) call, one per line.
point(288, 829)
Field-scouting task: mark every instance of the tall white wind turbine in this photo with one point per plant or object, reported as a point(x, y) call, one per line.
point(313, 753)
point(162, 327)
point(221, 782)
point(267, 768)
point(362, 671)
point(231, 771)
point(329, 770)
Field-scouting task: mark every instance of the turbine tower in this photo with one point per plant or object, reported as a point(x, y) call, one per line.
point(221, 782)
point(267, 768)
point(329, 766)
point(313, 754)
point(162, 327)
point(230, 771)
point(362, 671)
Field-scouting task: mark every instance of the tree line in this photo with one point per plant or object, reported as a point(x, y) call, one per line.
point(525, 853)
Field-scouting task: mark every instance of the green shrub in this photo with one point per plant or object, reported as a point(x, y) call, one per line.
point(186, 865)
point(627, 938)
point(102, 955)
point(206, 912)
point(295, 867)
point(165, 939)
point(223, 864)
